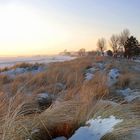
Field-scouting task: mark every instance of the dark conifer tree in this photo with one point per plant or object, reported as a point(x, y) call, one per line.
point(131, 47)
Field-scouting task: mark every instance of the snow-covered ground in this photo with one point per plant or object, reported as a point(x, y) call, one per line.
point(136, 134)
point(108, 102)
point(17, 71)
point(113, 76)
point(129, 95)
point(95, 129)
point(10, 61)
point(89, 74)
point(137, 60)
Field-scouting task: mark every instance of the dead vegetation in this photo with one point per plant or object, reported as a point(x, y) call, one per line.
point(4, 79)
point(74, 104)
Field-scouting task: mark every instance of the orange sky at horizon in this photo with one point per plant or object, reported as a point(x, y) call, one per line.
point(24, 33)
point(47, 27)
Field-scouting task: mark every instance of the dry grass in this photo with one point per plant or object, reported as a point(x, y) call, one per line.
point(131, 122)
point(64, 118)
point(13, 112)
point(71, 74)
point(4, 79)
point(57, 120)
point(124, 80)
point(21, 118)
point(128, 79)
point(19, 82)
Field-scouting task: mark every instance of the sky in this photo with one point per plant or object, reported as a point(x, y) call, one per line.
point(35, 27)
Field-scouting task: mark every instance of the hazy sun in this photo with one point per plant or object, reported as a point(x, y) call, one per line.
point(23, 27)
point(29, 30)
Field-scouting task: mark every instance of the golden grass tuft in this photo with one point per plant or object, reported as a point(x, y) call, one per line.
point(95, 89)
point(4, 79)
point(124, 80)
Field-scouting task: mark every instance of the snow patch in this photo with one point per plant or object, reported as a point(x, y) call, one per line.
point(17, 71)
point(60, 86)
point(34, 131)
point(109, 102)
point(43, 95)
point(89, 76)
point(137, 60)
point(44, 100)
point(91, 70)
point(90, 73)
point(129, 95)
point(11, 61)
point(136, 134)
point(113, 76)
point(96, 128)
point(136, 68)
point(101, 66)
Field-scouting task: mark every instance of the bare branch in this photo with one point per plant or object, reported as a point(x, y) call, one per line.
point(114, 41)
point(101, 44)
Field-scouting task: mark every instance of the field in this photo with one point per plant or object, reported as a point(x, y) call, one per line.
point(11, 61)
point(84, 98)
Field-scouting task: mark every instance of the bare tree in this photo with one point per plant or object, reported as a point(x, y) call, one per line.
point(101, 44)
point(114, 42)
point(123, 38)
point(82, 52)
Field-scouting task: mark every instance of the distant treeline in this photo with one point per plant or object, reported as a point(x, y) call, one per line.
point(122, 45)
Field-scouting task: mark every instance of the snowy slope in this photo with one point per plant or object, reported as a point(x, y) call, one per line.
point(10, 61)
point(96, 128)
